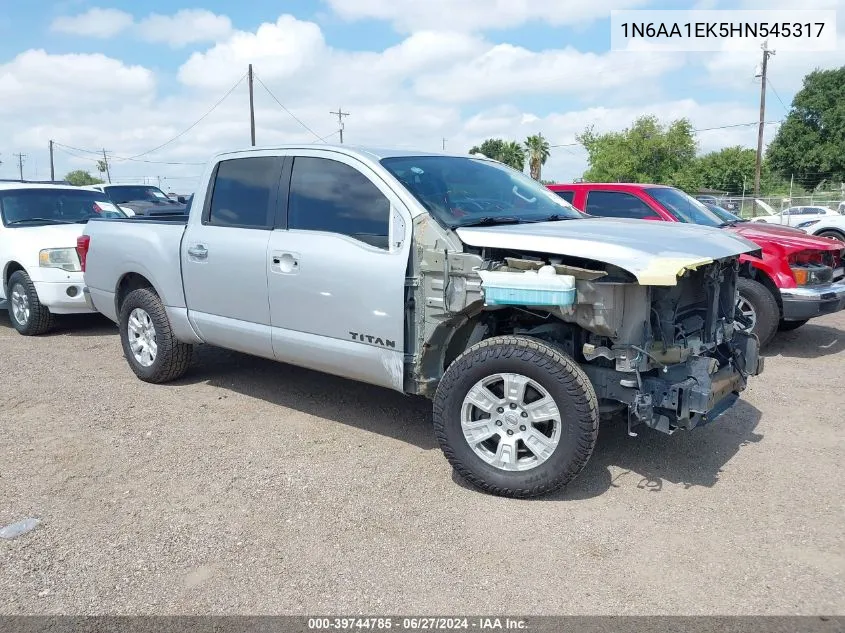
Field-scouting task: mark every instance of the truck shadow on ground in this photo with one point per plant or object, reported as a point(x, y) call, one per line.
point(653, 460)
point(693, 458)
point(808, 341)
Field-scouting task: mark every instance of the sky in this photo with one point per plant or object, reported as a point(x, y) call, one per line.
point(160, 85)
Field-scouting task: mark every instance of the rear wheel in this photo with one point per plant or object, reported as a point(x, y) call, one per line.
point(759, 308)
point(516, 417)
point(153, 352)
point(29, 317)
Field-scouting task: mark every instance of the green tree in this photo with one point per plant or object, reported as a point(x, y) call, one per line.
point(730, 169)
point(537, 150)
point(810, 144)
point(80, 178)
point(647, 152)
point(491, 148)
point(507, 152)
point(514, 155)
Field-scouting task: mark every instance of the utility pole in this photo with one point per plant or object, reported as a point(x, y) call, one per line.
point(106, 162)
point(340, 114)
point(764, 69)
point(20, 164)
point(444, 144)
point(52, 168)
point(251, 108)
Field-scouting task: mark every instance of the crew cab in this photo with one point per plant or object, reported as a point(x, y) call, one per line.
point(448, 276)
point(793, 279)
point(41, 271)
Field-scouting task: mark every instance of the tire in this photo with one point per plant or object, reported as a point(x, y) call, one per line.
point(788, 326)
point(28, 315)
point(170, 358)
point(832, 234)
point(569, 439)
point(764, 306)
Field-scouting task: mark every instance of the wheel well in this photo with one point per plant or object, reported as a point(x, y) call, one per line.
point(11, 269)
point(128, 283)
point(761, 277)
point(841, 234)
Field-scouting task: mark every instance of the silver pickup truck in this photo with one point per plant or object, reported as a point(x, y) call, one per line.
point(452, 277)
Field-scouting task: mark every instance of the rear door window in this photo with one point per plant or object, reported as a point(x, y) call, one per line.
point(245, 191)
point(617, 204)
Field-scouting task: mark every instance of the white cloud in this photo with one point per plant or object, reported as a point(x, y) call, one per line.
point(401, 96)
point(184, 27)
point(478, 15)
point(504, 70)
point(36, 83)
point(281, 49)
point(100, 23)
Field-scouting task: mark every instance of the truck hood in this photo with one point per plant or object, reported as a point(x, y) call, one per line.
point(49, 236)
point(789, 239)
point(654, 252)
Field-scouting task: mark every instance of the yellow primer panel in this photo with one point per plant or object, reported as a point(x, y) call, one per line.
point(665, 271)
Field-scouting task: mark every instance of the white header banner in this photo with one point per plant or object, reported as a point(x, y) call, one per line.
point(723, 30)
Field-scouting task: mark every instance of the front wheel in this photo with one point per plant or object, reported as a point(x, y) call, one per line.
point(834, 235)
point(153, 352)
point(759, 308)
point(29, 316)
point(516, 417)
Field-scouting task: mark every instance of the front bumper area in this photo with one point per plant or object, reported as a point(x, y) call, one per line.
point(62, 297)
point(807, 302)
point(686, 395)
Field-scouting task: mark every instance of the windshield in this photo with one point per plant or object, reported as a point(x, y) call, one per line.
point(723, 214)
point(685, 208)
point(54, 206)
point(466, 191)
point(128, 193)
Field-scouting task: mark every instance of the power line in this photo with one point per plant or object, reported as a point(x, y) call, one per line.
point(777, 95)
point(281, 105)
point(65, 149)
point(193, 125)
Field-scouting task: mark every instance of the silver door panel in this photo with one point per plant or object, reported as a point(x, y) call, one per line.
point(348, 359)
point(241, 336)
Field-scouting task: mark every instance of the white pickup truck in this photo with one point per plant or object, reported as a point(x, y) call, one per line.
point(41, 271)
point(449, 276)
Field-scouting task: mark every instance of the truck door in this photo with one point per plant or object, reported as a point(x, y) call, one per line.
point(224, 255)
point(336, 270)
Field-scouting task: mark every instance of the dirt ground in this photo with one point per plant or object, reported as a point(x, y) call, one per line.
point(256, 487)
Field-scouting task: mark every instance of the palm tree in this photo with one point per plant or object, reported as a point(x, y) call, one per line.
point(513, 155)
point(537, 150)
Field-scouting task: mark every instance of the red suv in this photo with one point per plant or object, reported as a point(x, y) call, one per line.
point(799, 276)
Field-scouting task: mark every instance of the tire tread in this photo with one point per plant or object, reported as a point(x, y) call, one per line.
point(559, 367)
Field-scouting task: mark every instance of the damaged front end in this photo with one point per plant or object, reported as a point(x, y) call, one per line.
point(667, 356)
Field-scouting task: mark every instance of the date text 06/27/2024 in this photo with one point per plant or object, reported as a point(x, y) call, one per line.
point(722, 30)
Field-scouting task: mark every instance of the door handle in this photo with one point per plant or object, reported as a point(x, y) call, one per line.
point(199, 251)
point(286, 263)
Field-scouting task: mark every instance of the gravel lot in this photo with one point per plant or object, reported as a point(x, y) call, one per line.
point(255, 487)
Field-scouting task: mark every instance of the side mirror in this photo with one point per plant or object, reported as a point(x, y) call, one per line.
point(399, 228)
point(181, 199)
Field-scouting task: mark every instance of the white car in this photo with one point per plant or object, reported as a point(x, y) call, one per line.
point(792, 216)
point(832, 226)
point(42, 276)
